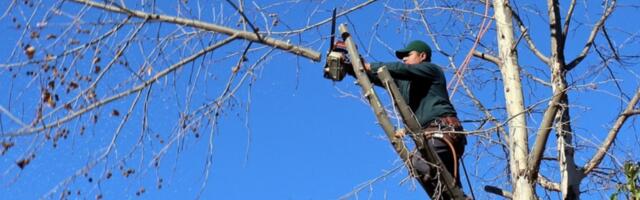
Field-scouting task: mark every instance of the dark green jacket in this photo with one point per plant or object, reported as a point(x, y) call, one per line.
point(423, 87)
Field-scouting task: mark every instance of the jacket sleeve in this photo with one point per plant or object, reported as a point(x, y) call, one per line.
point(373, 76)
point(408, 72)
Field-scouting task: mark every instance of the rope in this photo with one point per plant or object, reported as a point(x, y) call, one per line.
point(464, 168)
point(463, 67)
point(454, 155)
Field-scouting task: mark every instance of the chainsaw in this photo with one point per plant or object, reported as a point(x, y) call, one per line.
point(337, 57)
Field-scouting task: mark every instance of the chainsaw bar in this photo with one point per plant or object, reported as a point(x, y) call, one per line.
point(333, 30)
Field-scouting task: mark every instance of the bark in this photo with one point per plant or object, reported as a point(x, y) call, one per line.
point(523, 184)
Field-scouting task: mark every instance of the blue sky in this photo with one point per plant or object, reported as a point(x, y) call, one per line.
point(286, 134)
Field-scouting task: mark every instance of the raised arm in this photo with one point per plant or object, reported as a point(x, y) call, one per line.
point(403, 71)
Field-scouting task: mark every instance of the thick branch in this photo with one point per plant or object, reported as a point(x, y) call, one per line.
point(251, 36)
point(613, 133)
point(487, 57)
point(245, 19)
point(633, 112)
point(592, 37)
point(498, 191)
point(548, 184)
point(369, 93)
point(556, 61)
point(543, 134)
point(527, 38)
point(567, 19)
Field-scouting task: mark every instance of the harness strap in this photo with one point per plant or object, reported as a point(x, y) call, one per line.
point(439, 129)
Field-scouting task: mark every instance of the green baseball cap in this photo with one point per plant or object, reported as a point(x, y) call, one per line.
point(416, 45)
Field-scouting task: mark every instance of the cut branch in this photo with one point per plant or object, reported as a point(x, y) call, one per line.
point(487, 57)
point(369, 93)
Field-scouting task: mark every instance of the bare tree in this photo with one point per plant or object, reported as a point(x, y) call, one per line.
point(79, 66)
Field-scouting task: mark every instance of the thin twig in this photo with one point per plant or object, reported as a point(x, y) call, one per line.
point(283, 45)
point(32, 130)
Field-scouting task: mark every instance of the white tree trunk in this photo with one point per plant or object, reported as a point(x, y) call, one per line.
point(523, 185)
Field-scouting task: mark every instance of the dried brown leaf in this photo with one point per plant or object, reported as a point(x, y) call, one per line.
point(23, 162)
point(35, 35)
point(30, 51)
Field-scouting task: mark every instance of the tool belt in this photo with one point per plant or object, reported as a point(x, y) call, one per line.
point(445, 128)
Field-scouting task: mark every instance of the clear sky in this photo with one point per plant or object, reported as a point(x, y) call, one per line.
point(286, 133)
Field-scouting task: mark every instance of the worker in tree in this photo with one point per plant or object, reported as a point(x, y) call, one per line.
point(422, 84)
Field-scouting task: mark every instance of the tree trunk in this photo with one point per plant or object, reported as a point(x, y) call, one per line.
point(523, 184)
point(570, 179)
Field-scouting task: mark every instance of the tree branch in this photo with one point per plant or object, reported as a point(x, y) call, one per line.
point(548, 184)
point(251, 36)
point(70, 51)
point(543, 134)
point(31, 130)
point(556, 63)
point(244, 17)
point(487, 57)
point(498, 191)
point(527, 37)
point(567, 19)
point(374, 101)
point(592, 37)
point(327, 20)
point(611, 136)
point(11, 116)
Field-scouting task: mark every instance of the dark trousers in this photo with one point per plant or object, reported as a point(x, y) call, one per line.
point(427, 172)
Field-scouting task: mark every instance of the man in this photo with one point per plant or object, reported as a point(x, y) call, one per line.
point(422, 84)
